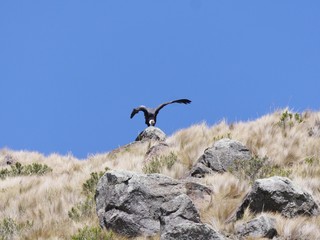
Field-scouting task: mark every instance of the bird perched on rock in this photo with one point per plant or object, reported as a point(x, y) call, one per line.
point(150, 114)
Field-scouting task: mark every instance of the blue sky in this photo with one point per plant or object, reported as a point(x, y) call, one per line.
point(72, 71)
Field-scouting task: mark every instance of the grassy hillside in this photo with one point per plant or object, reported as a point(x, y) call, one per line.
point(54, 200)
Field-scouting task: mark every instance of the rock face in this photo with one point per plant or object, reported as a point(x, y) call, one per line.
point(261, 227)
point(153, 133)
point(220, 157)
point(278, 194)
point(157, 150)
point(180, 220)
point(129, 203)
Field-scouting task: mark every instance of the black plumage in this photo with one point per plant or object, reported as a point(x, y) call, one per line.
point(150, 114)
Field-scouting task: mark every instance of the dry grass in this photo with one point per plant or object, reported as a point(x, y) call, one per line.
point(39, 205)
point(228, 191)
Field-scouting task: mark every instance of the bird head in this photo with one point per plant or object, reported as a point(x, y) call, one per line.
point(152, 122)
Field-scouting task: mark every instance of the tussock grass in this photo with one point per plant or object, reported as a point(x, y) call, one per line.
point(298, 228)
point(228, 192)
point(37, 207)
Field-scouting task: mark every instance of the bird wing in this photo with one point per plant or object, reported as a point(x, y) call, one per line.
point(185, 101)
point(138, 109)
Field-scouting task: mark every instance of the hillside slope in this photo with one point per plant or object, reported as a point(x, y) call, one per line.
point(55, 204)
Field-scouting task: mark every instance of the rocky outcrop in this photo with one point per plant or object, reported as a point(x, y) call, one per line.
point(151, 133)
point(278, 194)
point(220, 157)
point(157, 150)
point(180, 220)
point(129, 203)
point(261, 227)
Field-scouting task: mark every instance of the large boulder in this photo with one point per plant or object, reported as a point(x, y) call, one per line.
point(180, 220)
point(151, 133)
point(261, 227)
point(129, 203)
point(220, 157)
point(278, 194)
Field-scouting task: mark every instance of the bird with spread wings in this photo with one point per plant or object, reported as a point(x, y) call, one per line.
point(150, 114)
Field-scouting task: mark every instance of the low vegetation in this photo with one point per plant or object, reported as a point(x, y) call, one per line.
point(86, 207)
point(92, 233)
point(156, 164)
point(257, 168)
point(9, 229)
point(18, 169)
point(52, 197)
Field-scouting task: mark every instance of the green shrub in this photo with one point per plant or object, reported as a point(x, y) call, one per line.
point(36, 169)
point(87, 207)
point(248, 169)
point(9, 228)
point(90, 185)
point(157, 163)
point(18, 169)
point(170, 160)
point(82, 210)
point(274, 170)
point(298, 117)
point(4, 173)
point(311, 160)
point(92, 233)
point(153, 166)
point(257, 168)
point(289, 119)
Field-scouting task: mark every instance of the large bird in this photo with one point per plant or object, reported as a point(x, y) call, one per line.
point(150, 114)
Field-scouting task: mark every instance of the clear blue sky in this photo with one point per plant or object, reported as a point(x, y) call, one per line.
point(72, 71)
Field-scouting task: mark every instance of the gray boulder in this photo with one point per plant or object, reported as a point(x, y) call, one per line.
point(220, 157)
point(151, 133)
point(261, 227)
point(200, 169)
point(278, 194)
point(129, 203)
point(157, 150)
point(180, 220)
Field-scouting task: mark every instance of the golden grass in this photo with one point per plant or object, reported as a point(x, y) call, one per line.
point(228, 192)
point(43, 202)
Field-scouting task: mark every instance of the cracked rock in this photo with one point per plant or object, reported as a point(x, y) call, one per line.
point(129, 203)
point(180, 220)
point(220, 157)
